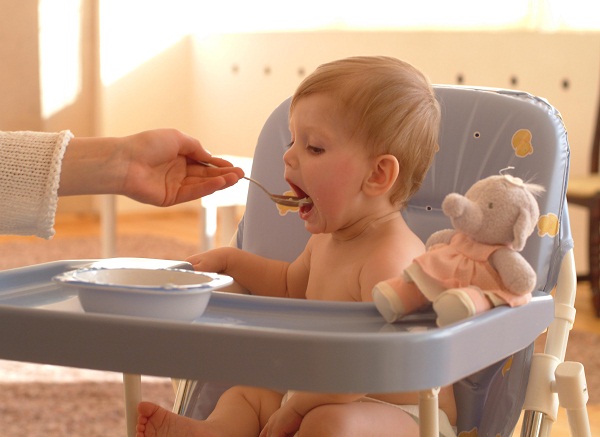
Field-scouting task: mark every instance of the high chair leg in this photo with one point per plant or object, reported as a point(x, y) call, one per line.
point(185, 389)
point(572, 392)
point(429, 420)
point(571, 387)
point(133, 395)
point(533, 424)
point(552, 381)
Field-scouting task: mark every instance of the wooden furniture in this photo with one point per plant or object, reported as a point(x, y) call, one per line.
point(585, 191)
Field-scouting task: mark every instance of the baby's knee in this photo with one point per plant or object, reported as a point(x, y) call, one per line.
point(326, 420)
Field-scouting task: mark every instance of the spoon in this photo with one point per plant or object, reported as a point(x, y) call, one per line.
point(281, 199)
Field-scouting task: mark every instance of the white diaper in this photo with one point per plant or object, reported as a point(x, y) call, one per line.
point(446, 429)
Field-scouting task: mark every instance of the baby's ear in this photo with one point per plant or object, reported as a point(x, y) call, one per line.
point(383, 175)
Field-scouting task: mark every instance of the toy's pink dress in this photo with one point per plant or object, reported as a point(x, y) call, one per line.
point(465, 263)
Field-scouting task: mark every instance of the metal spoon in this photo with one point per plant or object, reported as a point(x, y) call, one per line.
point(281, 199)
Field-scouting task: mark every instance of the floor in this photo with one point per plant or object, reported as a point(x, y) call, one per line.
point(585, 320)
point(172, 224)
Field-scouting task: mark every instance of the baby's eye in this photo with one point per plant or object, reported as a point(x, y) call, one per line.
point(288, 146)
point(315, 150)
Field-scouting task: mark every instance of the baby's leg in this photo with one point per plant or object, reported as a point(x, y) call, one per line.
point(358, 419)
point(241, 411)
point(155, 421)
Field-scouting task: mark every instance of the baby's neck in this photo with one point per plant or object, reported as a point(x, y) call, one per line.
point(366, 225)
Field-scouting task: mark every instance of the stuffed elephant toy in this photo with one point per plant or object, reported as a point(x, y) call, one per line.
point(476, 265)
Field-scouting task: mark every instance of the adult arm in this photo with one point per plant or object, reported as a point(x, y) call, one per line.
point(158, 167)
point(29, 177)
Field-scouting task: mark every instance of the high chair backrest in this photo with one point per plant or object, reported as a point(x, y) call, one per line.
point(483, 132)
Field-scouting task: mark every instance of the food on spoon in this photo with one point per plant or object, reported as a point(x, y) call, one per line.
point(284, 209)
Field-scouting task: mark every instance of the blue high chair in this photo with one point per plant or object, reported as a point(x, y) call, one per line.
point(488, 358)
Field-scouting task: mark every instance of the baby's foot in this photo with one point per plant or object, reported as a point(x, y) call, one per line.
point(155, 421)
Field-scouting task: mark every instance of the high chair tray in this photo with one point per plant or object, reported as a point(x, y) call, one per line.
point(278, 343)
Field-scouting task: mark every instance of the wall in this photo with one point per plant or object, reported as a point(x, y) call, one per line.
point(156, 94)
point(222, 88)
point(20, 107)
point(19, 72)
point(241, 78)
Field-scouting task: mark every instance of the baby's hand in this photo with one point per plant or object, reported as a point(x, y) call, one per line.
point(211, 261)
point(282, 423)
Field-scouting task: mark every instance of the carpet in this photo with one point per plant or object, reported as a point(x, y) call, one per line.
point(57, 401)
point(94, 409)
point(16, 253)
point(41, 400)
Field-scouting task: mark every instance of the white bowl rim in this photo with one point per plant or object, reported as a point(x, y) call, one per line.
point(73, 279)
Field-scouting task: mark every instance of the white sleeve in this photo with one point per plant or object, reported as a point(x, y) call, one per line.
point(30, 164)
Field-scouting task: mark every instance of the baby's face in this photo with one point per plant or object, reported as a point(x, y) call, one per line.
point(326, 163)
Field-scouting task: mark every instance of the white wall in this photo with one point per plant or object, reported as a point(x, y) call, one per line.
point(222, 88)
point(241, 78)
point(19, 73)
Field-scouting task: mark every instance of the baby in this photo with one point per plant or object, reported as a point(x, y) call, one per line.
point(364, 132)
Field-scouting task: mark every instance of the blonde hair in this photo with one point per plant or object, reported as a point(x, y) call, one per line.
point(390, 104)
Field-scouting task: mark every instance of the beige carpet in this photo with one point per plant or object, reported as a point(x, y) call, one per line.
point(23, 253)
point(93, 409)
point(53, 401)
point(38, 400)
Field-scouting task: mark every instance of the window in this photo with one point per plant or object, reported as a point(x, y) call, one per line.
point(60, 46)
point(276, 15)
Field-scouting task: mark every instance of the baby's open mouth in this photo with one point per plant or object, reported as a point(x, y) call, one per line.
point(306, 204)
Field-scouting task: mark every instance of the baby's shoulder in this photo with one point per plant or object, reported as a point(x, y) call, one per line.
point(401, 246)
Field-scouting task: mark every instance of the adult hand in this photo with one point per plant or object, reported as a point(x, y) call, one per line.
point(164, 169)
point(159, 167)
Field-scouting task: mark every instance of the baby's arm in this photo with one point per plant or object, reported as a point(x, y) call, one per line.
point(257, 274)
point(387, 262)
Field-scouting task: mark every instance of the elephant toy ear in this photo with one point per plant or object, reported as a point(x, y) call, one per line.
point(528, 216)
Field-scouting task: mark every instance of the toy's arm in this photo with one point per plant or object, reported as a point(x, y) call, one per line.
point(440, 237)
point(516, 273)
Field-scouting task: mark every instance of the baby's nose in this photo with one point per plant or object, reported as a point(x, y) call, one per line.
point(289, 157)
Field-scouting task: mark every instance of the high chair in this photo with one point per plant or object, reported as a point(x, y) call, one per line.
point(488, 358)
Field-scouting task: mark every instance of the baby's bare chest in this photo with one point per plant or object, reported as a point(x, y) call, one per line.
point(335, 275)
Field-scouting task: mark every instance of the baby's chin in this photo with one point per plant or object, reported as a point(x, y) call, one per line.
point(312, 225)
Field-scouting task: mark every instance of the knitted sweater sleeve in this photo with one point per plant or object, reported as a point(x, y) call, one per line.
point(30, 164)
